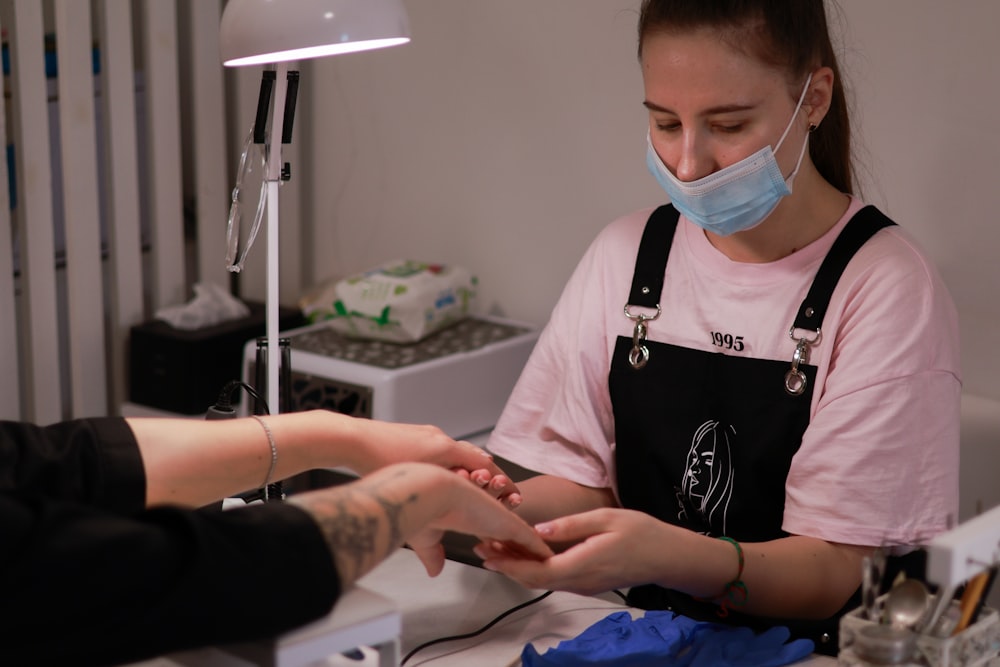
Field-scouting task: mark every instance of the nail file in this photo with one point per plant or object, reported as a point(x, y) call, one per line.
point(971, 598)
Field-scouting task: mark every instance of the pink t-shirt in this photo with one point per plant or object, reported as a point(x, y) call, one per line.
point(878, 463)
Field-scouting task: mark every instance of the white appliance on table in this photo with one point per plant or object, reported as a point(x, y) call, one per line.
point(458, 378)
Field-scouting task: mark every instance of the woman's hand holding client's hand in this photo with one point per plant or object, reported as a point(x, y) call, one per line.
point(608, 548)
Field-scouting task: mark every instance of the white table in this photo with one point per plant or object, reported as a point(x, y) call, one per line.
point(464, 598)
point(461, 599)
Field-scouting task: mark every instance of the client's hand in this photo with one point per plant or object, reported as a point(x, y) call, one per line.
point(364, 521)
point(473, 512)
point(384, 443)
point(499, 486)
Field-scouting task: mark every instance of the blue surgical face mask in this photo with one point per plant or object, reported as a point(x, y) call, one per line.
point(736, 198)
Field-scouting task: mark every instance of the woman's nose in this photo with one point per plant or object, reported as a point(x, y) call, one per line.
point(693, 162)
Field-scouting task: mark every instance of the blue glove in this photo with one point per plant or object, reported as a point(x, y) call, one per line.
point(618, 641)
point(661, 637)
point(725, 646)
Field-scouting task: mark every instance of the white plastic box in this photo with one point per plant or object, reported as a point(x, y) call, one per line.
point(458, 379)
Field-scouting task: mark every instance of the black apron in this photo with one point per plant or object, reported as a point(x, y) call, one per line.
point(705, 439)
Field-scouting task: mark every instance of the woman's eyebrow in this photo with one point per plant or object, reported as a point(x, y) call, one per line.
point(724, 108)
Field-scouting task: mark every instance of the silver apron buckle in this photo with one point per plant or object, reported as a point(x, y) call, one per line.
point(639, 354)
point(795, 380)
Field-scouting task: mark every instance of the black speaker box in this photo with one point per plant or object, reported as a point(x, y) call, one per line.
point(184, 371)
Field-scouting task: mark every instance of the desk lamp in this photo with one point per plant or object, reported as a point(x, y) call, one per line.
point(275, 32)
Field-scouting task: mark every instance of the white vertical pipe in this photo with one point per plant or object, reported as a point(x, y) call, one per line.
point(209, 150)
point(118, 97)
point(10, 390)
point(164, 135)
point(81, 213)
point(41, 393)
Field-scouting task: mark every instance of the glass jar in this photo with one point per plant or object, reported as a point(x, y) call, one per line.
point(876, 645)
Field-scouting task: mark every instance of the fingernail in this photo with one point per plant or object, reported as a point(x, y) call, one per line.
point(513, 501)
point(479, 552)
point(544, 528)
point(488, 565)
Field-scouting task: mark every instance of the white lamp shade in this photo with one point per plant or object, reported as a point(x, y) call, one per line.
point(254, 32)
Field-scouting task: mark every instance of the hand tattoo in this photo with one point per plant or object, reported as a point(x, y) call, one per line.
point(350, 522)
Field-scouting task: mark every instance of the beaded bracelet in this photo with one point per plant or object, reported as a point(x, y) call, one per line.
point(735, 593)
point(274, 454)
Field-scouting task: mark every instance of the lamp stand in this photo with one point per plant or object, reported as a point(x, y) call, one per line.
point(273, 176)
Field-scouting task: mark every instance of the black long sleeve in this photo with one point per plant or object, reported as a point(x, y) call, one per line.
point(88, 577)
point(94, 462)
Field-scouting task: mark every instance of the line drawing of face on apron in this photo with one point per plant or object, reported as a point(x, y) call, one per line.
point(707, 485)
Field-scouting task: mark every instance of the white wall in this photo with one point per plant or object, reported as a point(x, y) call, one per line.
point(508, 133)
point(926, 76)
point(502, 139)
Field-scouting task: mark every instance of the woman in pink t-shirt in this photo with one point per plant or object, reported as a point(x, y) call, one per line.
point(767, 361)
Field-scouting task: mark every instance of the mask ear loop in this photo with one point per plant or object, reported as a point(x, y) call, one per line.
point(805, 144)
point(798, 106)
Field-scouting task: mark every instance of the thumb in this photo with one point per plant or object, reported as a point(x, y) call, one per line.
point(432, 557)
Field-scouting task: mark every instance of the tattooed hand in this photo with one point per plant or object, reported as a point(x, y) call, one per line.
point(364, 521)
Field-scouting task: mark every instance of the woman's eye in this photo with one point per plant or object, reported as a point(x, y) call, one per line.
point(729, 128)
point(667, 126)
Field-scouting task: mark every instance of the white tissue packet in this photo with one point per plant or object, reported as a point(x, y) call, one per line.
point(211, 305)
point(401, 301)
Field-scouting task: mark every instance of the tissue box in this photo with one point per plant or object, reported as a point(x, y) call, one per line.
point(184, 371)
point(401, 301)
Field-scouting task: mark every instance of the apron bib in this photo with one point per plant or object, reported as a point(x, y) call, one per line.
point(704, 439)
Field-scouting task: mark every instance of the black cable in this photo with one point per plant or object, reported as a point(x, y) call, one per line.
point(476, 632)
point(223, 408)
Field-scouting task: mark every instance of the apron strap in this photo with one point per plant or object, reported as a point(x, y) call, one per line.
point(855, 234)
point(657, 237)
point(651, 260)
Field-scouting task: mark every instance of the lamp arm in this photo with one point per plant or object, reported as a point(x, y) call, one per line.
point(263, 106)
point(290, 99)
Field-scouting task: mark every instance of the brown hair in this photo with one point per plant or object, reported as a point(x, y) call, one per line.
point(788, 34)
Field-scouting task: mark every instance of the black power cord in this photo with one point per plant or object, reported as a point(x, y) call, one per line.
point(223, 408)
point(480, 631)
point(489, 625)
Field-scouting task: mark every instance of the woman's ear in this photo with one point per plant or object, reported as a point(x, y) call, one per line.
point(819, 95)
